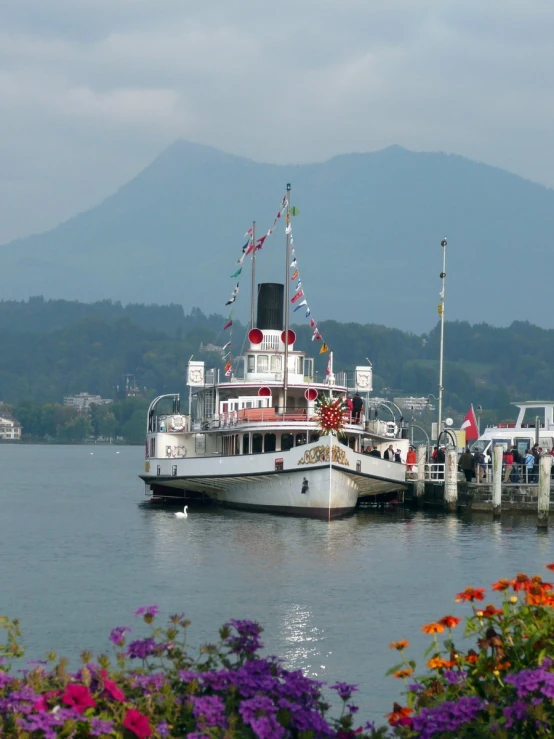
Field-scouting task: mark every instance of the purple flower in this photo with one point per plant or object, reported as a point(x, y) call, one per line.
point(447, 717)
point(149, 683)
point(163, 729)
point(150, 611)
point(187, 676)
point(344, 690)
point(142, 648)
point(247, 639)
point(516, 712)
point(210, 711)
point(117, 635)
point(99, 727)
point(260, 713)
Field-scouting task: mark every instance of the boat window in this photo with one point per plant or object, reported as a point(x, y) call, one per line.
point(300, 365)
point(257, 443)
point(237, 445)
point(246, 444)
point(263, 363)
point(276, 363)
point(545, 442)
point(352, 442)
point(480, 445)
point(314, 437)
point(504, 443)
point(287, 442)
point(308, 368)
point(270, 441)
point(523, 445)
point(300, 439)
point(251, 363)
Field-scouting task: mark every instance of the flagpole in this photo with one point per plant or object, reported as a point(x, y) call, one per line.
point(287, 295)
point(253, 287)
point(441, 352)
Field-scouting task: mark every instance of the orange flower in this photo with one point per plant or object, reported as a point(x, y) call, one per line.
point(398, 713)
point(436, 663)
point(471, 594)
point(502, 584)
point(550, 567)
point(449, 622)
point(434, 628)
point(503, 665)
point(472, 657)
point(400, 645)
point(403, 673)
point(521, 582)
point(490, 610)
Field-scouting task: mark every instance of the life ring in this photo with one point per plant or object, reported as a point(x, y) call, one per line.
point(177, 423)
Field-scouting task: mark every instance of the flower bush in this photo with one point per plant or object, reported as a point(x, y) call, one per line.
point(502, 685)
point(153, 687)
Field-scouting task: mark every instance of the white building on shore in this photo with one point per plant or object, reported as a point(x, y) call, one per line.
point(83, 401)
point(9, 430)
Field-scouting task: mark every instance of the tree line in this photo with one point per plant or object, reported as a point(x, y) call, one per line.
point(55, 348)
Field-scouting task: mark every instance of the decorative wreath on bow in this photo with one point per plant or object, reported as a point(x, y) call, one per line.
point(330, 415)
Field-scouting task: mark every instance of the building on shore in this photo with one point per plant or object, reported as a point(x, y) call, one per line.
point(413, 403)
point(83, 401)
point(9, 430)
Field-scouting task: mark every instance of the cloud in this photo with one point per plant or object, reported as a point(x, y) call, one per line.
point(91, 90)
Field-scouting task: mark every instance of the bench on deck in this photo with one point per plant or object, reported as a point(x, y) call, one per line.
point(256, 414)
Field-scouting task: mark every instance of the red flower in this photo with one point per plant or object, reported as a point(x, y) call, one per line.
point(78, 697)
point(138, 723)
point(111, 688)
point(471, 594)
point(450, 622)
point(502, 584)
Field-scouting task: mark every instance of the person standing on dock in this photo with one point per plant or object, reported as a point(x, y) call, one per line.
point(466, 465)
point(508, 461)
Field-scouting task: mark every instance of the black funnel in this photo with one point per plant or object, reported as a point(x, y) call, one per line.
point(270, 306)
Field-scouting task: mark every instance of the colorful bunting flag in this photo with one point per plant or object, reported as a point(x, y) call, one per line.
point(304, 302)
point(294, 275)
point(227, 325)
point(312, 323)
point(260, 242)
point(227, 345)
point(237, 273)
point(298, 295)
point(324, 348)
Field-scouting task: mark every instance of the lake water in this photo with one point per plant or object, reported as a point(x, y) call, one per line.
point(79, 551)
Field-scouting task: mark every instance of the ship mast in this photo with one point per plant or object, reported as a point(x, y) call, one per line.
point(287, 267)
point(253, 286)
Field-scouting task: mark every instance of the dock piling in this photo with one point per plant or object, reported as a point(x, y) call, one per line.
point(451, 480)
point(543, 500)
point(421, 459)
point(497, 453)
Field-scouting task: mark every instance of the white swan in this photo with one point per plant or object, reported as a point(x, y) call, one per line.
point(182, 514)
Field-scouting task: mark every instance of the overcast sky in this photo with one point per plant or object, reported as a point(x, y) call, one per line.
point(92, 90)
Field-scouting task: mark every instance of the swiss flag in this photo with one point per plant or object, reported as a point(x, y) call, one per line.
point(470, 425)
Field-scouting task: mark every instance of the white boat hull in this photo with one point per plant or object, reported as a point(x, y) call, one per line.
point(324, 479)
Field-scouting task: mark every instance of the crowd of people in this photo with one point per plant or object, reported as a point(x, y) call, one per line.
point(516, 467)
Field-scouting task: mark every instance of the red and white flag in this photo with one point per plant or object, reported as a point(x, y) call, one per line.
point(470, 425)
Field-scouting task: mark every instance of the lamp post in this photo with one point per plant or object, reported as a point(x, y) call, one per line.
point(441, 351)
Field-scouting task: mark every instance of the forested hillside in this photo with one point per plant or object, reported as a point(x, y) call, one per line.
point(50, 349)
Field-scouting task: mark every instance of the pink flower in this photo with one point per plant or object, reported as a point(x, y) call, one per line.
point(138, 723)
point(111, 688)
point(78, 697)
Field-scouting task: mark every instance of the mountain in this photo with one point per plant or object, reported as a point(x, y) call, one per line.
point(367, 238)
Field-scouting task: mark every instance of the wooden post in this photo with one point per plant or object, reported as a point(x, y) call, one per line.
point(420, 482)
point(451, 480)
point(545, 467)
point(497, 453)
